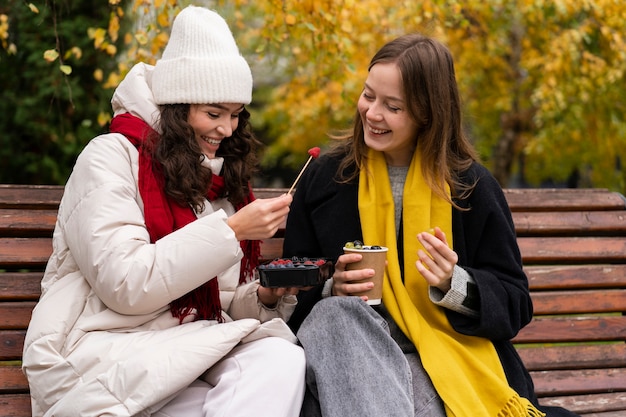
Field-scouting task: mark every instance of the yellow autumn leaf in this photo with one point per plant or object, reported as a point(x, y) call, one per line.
point(141, 38)
point(98, 75)
point(4, 29)
point(77, 52)
point(159, 42)
point(114, 27)
point(103, 118)
point(97, 34)
point(112, 81)
point(290, 19)
point(50, 55)
point(33, 8)
point(65, 69)
point(163, 20)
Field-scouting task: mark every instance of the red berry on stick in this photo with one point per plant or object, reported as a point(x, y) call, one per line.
point(313, 153)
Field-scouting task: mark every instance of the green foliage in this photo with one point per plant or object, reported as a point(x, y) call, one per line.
point(46, 116)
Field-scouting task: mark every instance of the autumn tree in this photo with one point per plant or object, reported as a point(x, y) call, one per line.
point(542, 81)
point(544, 88)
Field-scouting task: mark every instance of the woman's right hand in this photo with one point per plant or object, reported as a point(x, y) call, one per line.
point(261, 218)
point(343, 284)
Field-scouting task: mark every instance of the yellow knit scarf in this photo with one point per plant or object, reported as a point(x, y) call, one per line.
point(465, 370)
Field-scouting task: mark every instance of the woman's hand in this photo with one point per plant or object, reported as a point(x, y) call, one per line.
point(343, 284)
point(437, 263)
point(261, 218)
point(270, 296)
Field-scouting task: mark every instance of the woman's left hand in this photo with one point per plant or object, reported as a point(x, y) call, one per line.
point(270, 296)
point(437, 263)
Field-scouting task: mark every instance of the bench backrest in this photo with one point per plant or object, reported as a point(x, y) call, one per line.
point(573, 244)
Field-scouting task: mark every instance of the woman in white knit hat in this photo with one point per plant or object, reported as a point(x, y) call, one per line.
point(148, 305)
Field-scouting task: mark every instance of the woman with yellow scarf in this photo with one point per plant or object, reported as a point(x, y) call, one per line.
point(439, 344)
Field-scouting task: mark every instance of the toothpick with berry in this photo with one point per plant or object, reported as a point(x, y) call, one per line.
point(313, 153)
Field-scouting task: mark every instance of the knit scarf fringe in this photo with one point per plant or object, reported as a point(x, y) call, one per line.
point(519, 407)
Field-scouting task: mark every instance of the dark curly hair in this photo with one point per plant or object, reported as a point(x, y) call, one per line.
point(176, 153)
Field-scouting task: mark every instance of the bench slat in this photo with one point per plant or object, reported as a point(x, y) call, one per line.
point(272, 248)
point(23, 223)
point(591, 405)
point(30, 196)
point(574, 329)
point(269, 192)
point(581, 381)
point(576, 276)
point(20, 286)
point(11, 344)
point(540, 199)
point(576, 223)
point(25, 252)
point(13, 380)
point(15, 315)
point(573, 356)
point(588, 301)
point(15, 405)
point(575, 250)
point(563, 199)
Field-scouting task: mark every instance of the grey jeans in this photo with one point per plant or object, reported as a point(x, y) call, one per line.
point(355, 368)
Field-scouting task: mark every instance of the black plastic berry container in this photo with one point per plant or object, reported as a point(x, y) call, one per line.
point(295, 272)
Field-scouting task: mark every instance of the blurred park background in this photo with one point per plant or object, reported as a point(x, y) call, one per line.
point(542, 81)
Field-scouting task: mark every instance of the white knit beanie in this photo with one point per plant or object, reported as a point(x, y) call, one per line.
point(201, 63)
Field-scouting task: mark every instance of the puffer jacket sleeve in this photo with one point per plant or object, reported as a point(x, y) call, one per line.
point(101, 216)
point(246, 304)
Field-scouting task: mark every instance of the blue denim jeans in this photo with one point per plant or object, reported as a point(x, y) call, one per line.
point(355, 368)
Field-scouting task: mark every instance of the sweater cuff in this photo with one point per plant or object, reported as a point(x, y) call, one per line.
point(328, 288)
point(456, 299)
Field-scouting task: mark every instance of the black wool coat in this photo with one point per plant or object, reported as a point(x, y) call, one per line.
point(324, 216)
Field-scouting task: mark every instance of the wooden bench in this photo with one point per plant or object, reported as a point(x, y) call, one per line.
point(573, 243)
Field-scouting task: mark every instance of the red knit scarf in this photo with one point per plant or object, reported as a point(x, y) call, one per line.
point(163, 215)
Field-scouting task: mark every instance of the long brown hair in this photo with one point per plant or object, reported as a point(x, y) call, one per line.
point(431, 93)
point(177, 153)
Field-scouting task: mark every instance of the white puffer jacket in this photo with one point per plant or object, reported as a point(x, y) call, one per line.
point(102, 340)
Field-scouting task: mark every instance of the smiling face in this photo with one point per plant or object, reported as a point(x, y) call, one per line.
point(212, 123)
point(387, 125)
